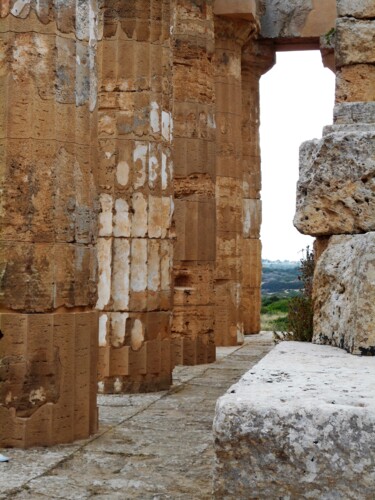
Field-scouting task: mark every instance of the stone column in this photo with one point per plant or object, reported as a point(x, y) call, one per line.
point(257, 58)
point(194, 164)
point(230, 35)
point(355, 51)
point(135, 245)
point(335, 194)
point(48, 144)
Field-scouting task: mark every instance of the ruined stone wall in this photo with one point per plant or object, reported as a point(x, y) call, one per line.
point(135, 246)
point(194, 166)
point(48, 220)
point(335, 195)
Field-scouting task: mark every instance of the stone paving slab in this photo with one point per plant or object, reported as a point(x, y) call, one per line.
point(150, 446)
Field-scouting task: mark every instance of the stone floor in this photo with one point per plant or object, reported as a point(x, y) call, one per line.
point(153, 446)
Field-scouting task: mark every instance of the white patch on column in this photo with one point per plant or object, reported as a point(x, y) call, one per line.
point(138, 280)
point(103, 319)
point(164, 174)
point(165, 265)
point(121, 274)
point(155, 117)
point(117, 386)
point(121, 220)
point(246, 217)
point(139, 158)
point(118, 327)
point(105, 216)
point(165, 125)
point(122, 172)
point(153, 166)
point(137, 335)
point(104, 265)
point(153, 265)
point(139, 219)
point(167, 213)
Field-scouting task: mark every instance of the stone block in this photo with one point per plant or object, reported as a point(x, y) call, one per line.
point(251, 304)
point(356, 83)
point(252, 218)
point(354, 42)
point(344, 294)
point(252, 263)
point(195, 227)
point(241, 9)
point(298, 18)
point(47, 378)
point(360, 9)
point(335, 192)
point(300, 424)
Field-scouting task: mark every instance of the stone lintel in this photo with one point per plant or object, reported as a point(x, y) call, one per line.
point(302, 420)
point(298, 19)
point(240, 9)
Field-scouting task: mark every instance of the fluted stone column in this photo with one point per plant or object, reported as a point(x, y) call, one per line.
point(230, 36)
point(48, 220)
point(136, 198)
point(194, 164)
point(257, 58)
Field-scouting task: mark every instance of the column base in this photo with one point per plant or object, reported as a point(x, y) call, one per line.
point(47, 378)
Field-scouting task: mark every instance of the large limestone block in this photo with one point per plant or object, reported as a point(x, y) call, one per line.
point(344, 294)
point(360, 9)
point(335, 191)
point(300, 424)
point(354, 42)
point(356, 83)
point(298, 18)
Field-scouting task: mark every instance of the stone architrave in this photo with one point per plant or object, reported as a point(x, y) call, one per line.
point(135, 244)
point(48, 221)
point(335, 191)
point(344, 294)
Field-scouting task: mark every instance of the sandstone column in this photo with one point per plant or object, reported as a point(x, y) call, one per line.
point(135, 245)
point(257, 58)
point(230, 35)
point(48, 340)
point(194, 164)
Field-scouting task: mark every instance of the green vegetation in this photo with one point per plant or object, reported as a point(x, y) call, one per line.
point(301, 310)
point(290, 310)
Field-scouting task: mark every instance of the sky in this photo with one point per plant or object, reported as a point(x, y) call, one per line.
point(297, 99)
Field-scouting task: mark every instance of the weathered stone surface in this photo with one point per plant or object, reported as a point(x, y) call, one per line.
point(148, 445)
point(300, 424)
point(48, 221)
point(354, 42)
point(356, 83)
point(344, 294)
point(194, 183)
point(243, 9)
point(360, 8)
point(298, 18)
point(135, 246)
point(355, 112)
point(335, 192)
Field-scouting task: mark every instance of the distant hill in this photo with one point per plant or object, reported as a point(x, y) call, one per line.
point(280, 277)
